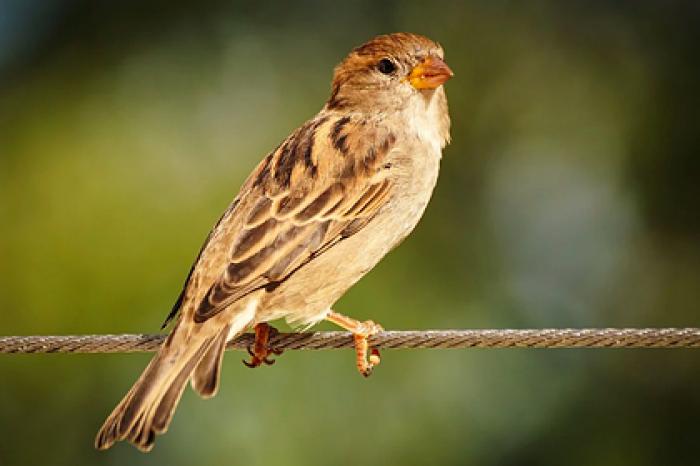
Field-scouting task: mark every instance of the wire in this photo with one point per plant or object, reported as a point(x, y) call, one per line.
point(483, 338)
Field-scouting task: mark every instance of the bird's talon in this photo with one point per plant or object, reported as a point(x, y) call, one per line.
point(366, 357)
point(260, 349)
point(374, 357)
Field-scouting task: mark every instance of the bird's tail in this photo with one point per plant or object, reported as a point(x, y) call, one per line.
point(148, 407)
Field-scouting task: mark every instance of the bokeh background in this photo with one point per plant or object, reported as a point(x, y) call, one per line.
point(569, 197)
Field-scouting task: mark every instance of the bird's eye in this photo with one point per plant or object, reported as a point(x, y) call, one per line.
point(386, 66)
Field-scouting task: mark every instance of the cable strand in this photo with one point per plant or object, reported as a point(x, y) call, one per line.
point(439, 339)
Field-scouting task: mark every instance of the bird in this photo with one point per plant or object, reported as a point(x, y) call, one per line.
point(314, 216)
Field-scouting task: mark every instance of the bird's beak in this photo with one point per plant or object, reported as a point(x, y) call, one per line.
point(430, 74)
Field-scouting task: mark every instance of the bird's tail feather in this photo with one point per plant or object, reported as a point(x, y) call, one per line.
point(148, 407)
point(205, 380)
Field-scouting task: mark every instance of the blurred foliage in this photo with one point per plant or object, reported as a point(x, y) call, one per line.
point(569, 197)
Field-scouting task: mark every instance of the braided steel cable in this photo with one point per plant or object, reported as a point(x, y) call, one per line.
point(481, 338)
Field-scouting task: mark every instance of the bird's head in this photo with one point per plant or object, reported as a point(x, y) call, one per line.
point(388, 73)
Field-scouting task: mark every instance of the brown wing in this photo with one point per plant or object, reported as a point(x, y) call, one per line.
point(323, 184)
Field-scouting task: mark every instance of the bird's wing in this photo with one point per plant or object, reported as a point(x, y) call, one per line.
point(321, 185)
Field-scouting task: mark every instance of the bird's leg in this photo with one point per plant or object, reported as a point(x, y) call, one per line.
point(260, 349)
point(361, 331)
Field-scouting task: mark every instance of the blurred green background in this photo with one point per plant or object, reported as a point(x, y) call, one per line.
point(569, 197)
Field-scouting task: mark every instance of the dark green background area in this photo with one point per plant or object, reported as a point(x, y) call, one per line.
point(569, 197)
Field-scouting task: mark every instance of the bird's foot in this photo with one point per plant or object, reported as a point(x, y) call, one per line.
point(260, 349)
point(367, 357)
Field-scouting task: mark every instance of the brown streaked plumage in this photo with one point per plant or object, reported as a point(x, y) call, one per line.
point(314, 216)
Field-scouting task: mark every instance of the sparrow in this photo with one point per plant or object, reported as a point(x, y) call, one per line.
point(315, 215)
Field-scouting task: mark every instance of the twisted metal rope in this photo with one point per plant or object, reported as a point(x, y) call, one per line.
point(530, 338)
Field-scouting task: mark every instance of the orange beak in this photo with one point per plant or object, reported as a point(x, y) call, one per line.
point(430, 74)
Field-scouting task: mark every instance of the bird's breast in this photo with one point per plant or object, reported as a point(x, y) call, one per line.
point(415, 173)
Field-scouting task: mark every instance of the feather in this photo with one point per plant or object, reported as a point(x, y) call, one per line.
point(286, 220)
point(205, 380)
point(148, 407)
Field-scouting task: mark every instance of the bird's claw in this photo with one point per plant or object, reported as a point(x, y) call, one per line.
point(366, 362)
point(367, 358)
point(257, 362)
point(260, 350)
